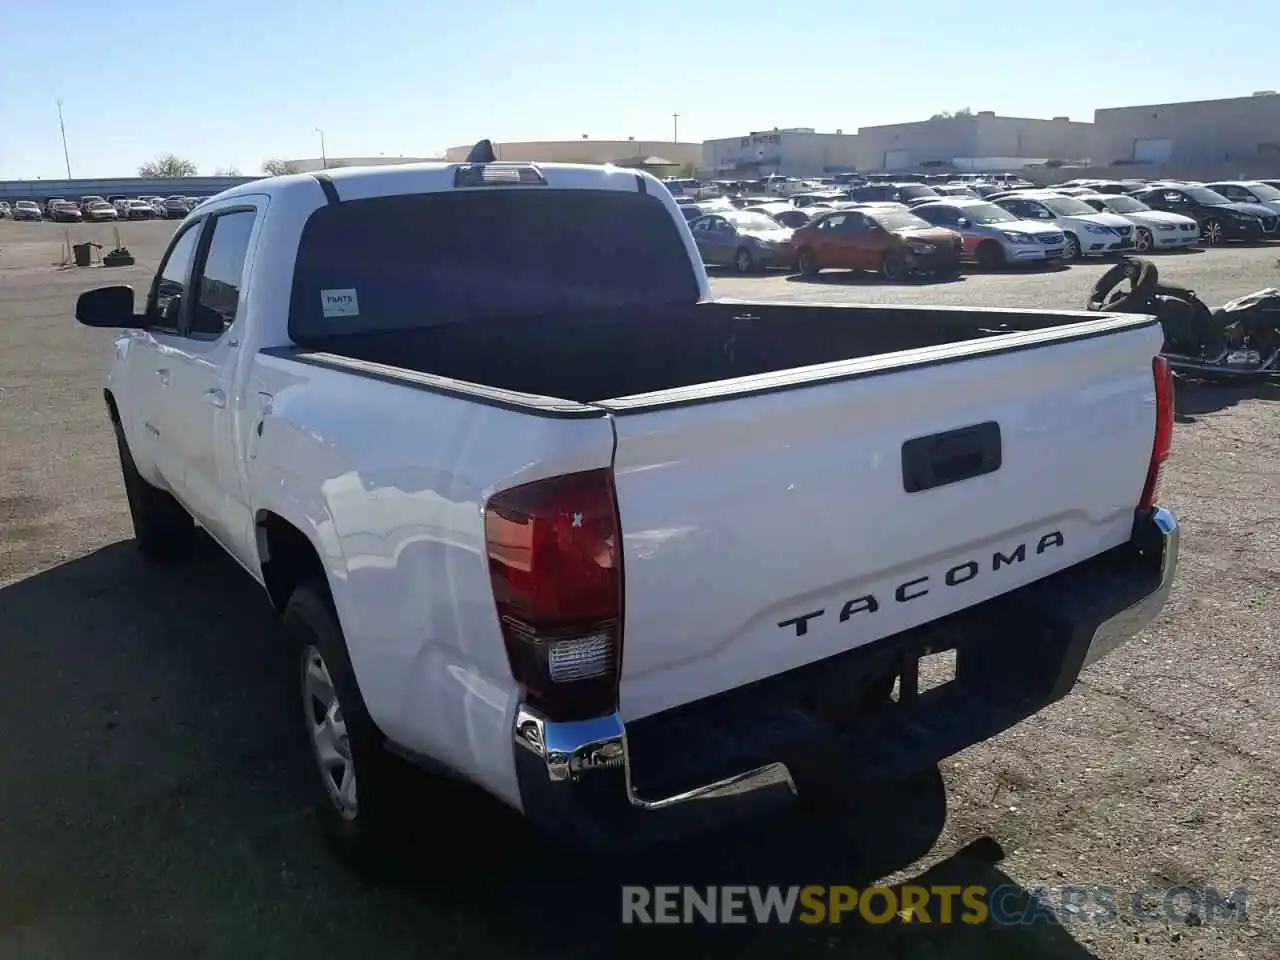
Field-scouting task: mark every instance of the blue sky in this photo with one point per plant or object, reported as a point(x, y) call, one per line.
point(231, 83)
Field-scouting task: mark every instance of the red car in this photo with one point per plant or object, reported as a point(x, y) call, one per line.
point(889, 240)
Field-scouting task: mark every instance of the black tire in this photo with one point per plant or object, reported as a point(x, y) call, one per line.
point(807, 262)
point(893, 268)
point(162, 528)
point(1143, 240)
point(363, 835)
point(743, 261)
point(1211, 232)
point(1071, 248)
point(991, 255)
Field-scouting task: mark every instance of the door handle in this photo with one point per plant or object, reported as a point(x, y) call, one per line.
point(215, 397)
point(164, 377)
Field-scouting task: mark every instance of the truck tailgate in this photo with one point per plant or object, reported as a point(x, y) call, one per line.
point(767, 530)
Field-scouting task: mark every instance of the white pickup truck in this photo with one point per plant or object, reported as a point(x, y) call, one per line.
point(541, 513)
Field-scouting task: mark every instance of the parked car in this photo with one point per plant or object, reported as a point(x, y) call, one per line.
point(1248, 191)
point(891, 241)
point(1220, 219)
point(894, 192)
point(1153, 229)
point(1088, 233)
point(139, 210)
point(98, 211)
point(828, 197)
point(745, 241)
point(598, 543)
point(86, 202)
point(27, 210)
point(176, 208)
point(121, 205)
point(64, 211)
point(798, 217)
point(5, 211)
point(961, 191)
point(51, 203)
point(992, 236)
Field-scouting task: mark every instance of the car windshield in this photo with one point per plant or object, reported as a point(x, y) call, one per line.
point(892, 219)
point(752, 221)
point(1125, 205)
point(915, 191)
point(1263, 192)
point(1067, 206)
point(986, 213)
point(1210, 198)
point(28, 205)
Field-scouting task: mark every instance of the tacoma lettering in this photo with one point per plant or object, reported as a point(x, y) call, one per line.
point(918, 587)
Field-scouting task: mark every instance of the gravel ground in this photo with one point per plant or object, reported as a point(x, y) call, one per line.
point(150, 803)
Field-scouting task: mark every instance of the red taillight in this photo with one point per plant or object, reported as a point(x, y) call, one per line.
point(554, 560)
point(1164, 431)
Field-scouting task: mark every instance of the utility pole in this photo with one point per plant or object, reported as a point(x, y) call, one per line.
point(63, 127)
point(675, 128)
point(324, 158)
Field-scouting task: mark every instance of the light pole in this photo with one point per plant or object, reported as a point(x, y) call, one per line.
point(675, 128)
point(324, 158)
point(63, 127)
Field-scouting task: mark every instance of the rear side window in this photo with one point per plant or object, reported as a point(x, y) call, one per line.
point(219, 287)
point(424, 260)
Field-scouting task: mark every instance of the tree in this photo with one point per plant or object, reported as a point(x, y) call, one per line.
point(278, 168)
point(227, 172)
point(168, 165)
point(948, 115)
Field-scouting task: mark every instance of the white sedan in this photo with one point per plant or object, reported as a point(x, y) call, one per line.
point(1155, 229)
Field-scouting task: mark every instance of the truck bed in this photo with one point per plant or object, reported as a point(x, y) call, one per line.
point(597, 356)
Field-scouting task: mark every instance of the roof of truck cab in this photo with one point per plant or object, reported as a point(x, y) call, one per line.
point(363, 182)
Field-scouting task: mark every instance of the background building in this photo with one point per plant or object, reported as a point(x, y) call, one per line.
point(313, 164)
point(792, 152)
point(981, 141)
point(1202, 139)
point(658, 157)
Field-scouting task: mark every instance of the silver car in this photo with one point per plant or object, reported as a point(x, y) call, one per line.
point(993, 237)
point(745, 241)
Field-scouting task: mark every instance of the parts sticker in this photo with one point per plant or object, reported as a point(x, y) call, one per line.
point(340, 303)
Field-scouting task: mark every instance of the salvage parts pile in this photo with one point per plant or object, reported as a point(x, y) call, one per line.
point(1240, 339)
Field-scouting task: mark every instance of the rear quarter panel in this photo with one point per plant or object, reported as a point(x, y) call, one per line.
point(390, 482)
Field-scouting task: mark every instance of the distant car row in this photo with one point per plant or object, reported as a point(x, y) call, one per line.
point(840, 227)
point(101, 209)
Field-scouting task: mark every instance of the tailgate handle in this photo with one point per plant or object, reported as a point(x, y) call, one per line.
point(950, 457)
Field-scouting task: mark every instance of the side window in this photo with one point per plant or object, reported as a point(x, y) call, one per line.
point(170, 288)
point(832, 223)
point(701, 225)
point(1017, 207)
point(218, 286)
point(1037, 212)
point(1171, 196)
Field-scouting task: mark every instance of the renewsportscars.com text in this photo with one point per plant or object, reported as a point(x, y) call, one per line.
point(1007, 905)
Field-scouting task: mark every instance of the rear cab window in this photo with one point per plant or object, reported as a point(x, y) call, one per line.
point(422, 260)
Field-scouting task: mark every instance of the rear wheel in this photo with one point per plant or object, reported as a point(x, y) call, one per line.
point(1070, 247)
point(352, 782)
point(1143, 241)
point(743, 262)
point(162, 529)
point(991, 255)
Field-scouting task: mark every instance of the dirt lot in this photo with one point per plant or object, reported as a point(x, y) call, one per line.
point(150, 803)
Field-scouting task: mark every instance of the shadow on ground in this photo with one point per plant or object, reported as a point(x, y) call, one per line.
point(1194, 398)
point(164, 813)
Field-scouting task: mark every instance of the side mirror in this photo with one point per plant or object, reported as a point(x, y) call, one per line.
point(108, 307)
